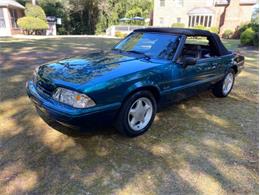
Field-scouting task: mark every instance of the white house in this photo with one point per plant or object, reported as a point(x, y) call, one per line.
point(10, 11)
point(222, 14)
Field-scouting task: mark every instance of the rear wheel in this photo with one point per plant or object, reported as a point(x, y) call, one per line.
point(137, 114)
point(224, 87)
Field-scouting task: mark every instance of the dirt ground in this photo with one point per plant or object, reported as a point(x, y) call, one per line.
point(203, 145)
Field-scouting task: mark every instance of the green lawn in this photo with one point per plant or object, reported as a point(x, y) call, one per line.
point(204, 145)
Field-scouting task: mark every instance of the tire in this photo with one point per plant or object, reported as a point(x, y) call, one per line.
point(224, 87)
point(136, 114)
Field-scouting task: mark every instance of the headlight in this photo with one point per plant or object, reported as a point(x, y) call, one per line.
point(35, 72)
point(73, 98)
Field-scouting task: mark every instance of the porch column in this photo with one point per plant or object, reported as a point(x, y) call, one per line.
point(7, 18)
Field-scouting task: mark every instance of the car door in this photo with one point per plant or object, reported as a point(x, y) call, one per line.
point(190, 80)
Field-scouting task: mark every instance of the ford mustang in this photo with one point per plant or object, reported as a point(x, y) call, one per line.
point(148, 70)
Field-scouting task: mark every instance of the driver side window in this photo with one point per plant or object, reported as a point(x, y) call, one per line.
point(197, 48)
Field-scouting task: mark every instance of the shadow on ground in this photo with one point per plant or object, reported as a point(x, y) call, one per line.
point(203, 145)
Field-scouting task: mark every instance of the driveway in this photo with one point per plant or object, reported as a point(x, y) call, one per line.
point(204, 145)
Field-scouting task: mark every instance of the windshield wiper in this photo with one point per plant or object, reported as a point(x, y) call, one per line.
point(138, 52)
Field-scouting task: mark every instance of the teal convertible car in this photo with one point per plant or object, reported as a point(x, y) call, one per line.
point(126, 86)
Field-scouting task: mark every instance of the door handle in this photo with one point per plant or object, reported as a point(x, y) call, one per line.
point(214, 65)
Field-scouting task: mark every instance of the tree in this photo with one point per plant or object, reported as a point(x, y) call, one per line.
point(35, 11)
point(31, 25)
point(90, 16)
point(255, 15)
point(34, 21)
point(113, 10)
point(59, 9)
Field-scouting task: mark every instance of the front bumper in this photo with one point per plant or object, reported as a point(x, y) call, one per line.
point(68, 115)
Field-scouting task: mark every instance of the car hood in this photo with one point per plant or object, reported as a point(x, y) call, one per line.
point(91, 69)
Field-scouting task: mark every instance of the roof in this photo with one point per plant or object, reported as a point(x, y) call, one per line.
point(242, 2)
point(248, 2)
point(212, 37)
point(182, 31)
point(221, 2)
point(10, 3)
point(201, 10)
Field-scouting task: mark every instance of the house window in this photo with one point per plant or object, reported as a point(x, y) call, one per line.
point(210, 19)
point(178, 20)
point(162, 3)
point(14, 17)
point(179, 3)
point(161, 21)
point(2, 19)
point(197, 20)
point(206, 21)
point(200, 20)
point(193, 21)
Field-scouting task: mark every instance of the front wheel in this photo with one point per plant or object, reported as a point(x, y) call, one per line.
point(137, 114)
point(224, 87)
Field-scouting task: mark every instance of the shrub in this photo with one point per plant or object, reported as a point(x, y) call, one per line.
point(200, 27)
point(34, 21)
point(243, 27)
point(256, 40)
point(32, 25)
point(34, 11)
point(178, 25)
point(214, 29)
point(227, 34)
point(255, 27)
point(248, 37)
point(120, 34)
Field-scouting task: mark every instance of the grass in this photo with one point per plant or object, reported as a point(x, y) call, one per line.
point(204, 145)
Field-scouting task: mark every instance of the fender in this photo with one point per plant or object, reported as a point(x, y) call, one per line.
point(141, 85)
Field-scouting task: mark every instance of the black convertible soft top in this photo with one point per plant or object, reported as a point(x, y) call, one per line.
point(213, 38)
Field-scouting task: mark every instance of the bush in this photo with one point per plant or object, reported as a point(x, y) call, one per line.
point(248, 37)
point(227, 34)
point(178, 25)
point(256, 40)
point(32, 25)
point(34, 21)
point(214, 29)
point(200, 27)
point(243, 27)
point(34, 11)
point(120, 34)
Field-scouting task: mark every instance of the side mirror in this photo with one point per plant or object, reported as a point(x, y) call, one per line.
point(189, 61)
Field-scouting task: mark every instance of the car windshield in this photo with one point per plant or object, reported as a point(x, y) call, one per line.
point(156, 45)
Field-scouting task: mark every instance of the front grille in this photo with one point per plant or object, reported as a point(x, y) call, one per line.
point(45, 87)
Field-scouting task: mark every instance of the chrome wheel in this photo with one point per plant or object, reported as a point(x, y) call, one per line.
point(228, 83)
point(140, 113)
